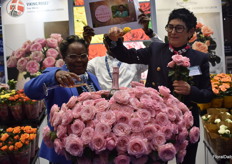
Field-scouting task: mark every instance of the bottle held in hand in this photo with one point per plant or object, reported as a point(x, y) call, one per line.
point(115, 81)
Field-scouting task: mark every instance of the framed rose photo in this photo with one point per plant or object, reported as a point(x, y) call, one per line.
point(103, 14)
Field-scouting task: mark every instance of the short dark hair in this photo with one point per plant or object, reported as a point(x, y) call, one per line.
point(69, 40)
point(185, 15)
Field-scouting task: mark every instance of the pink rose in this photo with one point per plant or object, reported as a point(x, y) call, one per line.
point(59, 63)
point(58, 146)
point(26, 46)
point(102, 129)
point(108, 117)
point(149, 131)
point(41, 41)
point(67, 117)
point(52, 43)
point(135, 83)
point(136, 124)
point(199, 25)
point(122, 159)
point(37, 55)
point(36, 47)
point(194, 134)
point(102, 105)
point(121, 97)
point(167, 130)
point(77, 110)
point(46, 137)
point(136, 45)
point(180, 156)
point(21, 64)
point(51, 52)
point(61, 131)
point(74, 145)
point(121, 129)
point(72, 102)
point(122, 143)
point(12, 62)
point(56, 36)
point(49, 62)
point(123, 117)
point(87, 135)
point(19, 53)
point(77, 127)
point(144, 115)
point(32, 66)
point(111, 141)
point(183, 134)
point(158, 139)
point(188, 118)
point(166, 152)
point(84, 96)
point(171, 64)
point(98, 143)
point(88, 102)
point(199, 46)
point(171, 114)
point(162, 119)
point(88, 113)
point(137, 147)
point(164, 91)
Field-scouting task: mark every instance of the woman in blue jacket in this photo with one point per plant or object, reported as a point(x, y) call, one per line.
point(75, 54)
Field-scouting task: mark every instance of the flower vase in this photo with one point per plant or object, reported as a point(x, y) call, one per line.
point(31, 110)
point(4, 112)
point(17, 112)
point(22, 157)
point(115, 81)
point(227, 102)
point(217, 103)
point(4, 158)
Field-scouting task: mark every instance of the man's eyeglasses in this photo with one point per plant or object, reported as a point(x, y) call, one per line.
point(75, 56)
point(178, 28)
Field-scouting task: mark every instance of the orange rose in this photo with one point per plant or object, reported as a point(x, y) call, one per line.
point(199, 46)
point(79, 2)
point(207, 31)
point(194, 37)
point(199, 25)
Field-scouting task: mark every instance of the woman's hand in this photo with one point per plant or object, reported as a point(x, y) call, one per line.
point(88, 33)
point(65, 78)
point(181, 87)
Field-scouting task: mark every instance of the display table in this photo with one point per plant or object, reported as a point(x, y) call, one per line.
point(223, 159)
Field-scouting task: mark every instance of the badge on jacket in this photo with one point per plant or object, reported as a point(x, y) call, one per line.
point(194, 71)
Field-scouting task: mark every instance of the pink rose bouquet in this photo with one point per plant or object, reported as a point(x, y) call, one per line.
point(34, 56)
point(202, 41)
point(136, 125)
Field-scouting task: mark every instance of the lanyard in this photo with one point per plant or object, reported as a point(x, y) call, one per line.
point(181, 51)
point(108, 67)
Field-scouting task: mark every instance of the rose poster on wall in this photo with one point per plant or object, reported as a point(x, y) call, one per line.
point(101, 15)
point(28, 20)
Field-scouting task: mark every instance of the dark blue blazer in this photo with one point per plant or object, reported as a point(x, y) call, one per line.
point(60, 95)
point(157, 56)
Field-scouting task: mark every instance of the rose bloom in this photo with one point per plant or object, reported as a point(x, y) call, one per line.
point(207, 31)
point(32, 66)
point(52, 43)
point(122, 97)
point(51, 52)
point(77, 127)
point(194, 37)
point(36, 47)
point(58, 146)
point(74, 145)
point(72, 102)
point(199, 25)
point(136, 34)
point(98, 143)
point(149, 131)
point(19, 53)
point(136, 124)
point(102, 129)
point(199, 46)
point(37, 55)
point(108, 117)
point(136, 45)
point(12, 62)
point(137, 147)
point(164, 91)
point(49, 62)
point(194, 134)
point(122, 143)
point(146, 7)
point(166, 152)
point(122, 159)
point(59, 63)
point(56, 36)
point(21, 64)
point(87, 135)
point(121, 129)
point(41, 41)
point(26, 46)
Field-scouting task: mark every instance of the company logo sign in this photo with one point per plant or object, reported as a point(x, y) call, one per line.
point(15, 8)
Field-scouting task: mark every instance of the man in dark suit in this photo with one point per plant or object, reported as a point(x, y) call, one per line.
point(180, 28)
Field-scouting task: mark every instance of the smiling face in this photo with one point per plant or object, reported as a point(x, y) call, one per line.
point(75, 59)
point(179, 39)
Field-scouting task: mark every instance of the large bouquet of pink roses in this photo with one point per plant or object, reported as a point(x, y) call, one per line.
point(34, 56)
point(137, 125)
